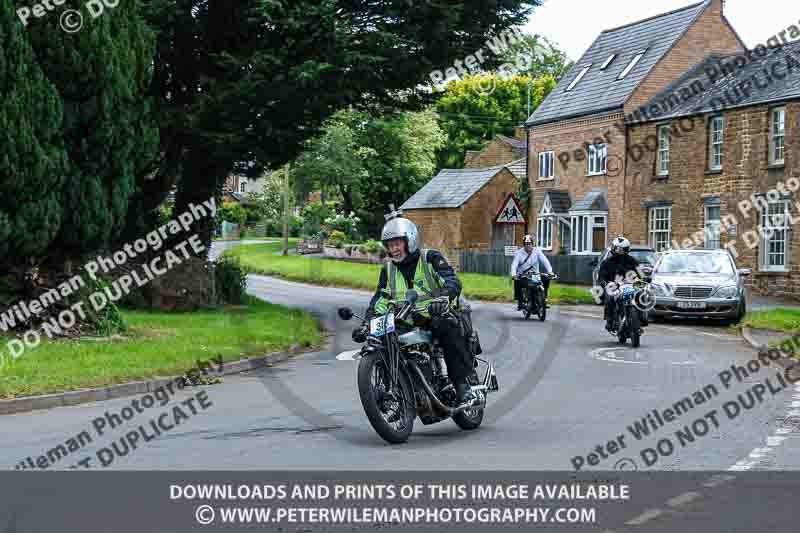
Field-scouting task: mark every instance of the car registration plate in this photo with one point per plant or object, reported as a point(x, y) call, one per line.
point(381, 325)
point(691, 305)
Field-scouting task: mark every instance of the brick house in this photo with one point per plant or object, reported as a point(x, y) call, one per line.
point(578, 136)
point(499, 151)
point(455, 210)
point(694, 171)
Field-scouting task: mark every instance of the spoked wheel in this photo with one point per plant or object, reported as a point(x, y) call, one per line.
point(527, 311)
point(391, 412)
point(470, 418)
point(540, 304)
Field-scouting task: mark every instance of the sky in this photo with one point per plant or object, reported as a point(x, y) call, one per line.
point(556, 19)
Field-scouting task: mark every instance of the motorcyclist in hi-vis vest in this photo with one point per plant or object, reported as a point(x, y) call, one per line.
point(431, 276)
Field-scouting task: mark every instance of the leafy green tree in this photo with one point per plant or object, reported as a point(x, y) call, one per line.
point(474, 110)
point(267, 203)
point(33, 160)
point(401, 159)
point(102, 75)
point(333, 161)
point(536, 56)
point(250, 81)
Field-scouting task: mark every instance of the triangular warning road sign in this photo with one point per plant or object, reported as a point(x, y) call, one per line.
point(510, 212)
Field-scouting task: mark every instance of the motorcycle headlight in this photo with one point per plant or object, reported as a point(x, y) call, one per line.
point(659, 290)
point(729, 291)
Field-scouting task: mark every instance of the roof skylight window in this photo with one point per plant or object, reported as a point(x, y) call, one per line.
point(608, 61)
point(632, 64)
point(578, 77)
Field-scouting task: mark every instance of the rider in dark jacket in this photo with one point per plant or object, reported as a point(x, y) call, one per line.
point(400, 238)
point(619, 266)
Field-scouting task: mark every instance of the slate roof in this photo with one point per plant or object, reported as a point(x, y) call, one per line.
point(726, 92)
point(515, 143)
point(599, 90)
point(453, 187)
point(559, 201)
point(594, 200)
point(518, 168)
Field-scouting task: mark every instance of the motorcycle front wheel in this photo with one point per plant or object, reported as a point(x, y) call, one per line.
point(634, 325)
point(391, 413)
point(540, 305)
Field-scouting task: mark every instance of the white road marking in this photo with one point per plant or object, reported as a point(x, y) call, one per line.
point(795, 403)
point(775, 441)
point(783, 431)
point(644, 517)
point(794, 412)
point(600, 353)
point(718, 480)
point(681, 499)
point(348, 356)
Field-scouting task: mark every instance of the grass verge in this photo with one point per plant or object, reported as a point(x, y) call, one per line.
point(157, 344)
point(266, 259)
point(779, 319)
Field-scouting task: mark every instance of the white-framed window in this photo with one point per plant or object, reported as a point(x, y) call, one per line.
point(660, 233)
point(711, 227)
point(716, 134)
point(546, 165)
point(544, 233)
point(663, 150)
point(588, 232)
point(632, 64)
point(777, 129)
point(598, 159)
point(608, 61)
point(544, 225)
point(775, 237)
point(579, 77)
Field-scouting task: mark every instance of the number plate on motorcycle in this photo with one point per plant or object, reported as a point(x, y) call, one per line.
point(692, 305)
point(627, 289)
point(381, 325)
point(535, 278)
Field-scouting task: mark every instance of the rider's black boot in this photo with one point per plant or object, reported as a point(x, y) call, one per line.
point(464, 393)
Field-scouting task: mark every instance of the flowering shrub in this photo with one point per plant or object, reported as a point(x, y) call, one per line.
point(337, 238)
point(345, 224)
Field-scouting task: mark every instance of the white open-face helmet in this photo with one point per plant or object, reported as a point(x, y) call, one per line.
point(528, 239)
point(621, 245)
point(401, 228)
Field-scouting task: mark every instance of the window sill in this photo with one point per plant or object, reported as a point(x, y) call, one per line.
point(713, 172)
point(598, 174)
point(658, 177)
point(774, 271)
point(546, 179)
point(776, 166)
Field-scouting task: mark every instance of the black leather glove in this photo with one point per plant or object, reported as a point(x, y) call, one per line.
point(360, 333)
point(437, 308)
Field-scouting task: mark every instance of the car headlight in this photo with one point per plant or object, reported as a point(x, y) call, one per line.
point(729, 291)
point(659, 290)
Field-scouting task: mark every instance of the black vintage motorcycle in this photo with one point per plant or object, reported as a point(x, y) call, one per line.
point(630, 300)
point(402, 375)
point(533, 293)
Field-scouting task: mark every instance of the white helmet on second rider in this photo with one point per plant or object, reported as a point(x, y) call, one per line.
point(620, 246)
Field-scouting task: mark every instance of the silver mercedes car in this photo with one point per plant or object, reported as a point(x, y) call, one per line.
point(698, 284)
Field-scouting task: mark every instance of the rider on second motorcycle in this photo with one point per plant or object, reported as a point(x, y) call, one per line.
point(619, 266)
point(526, 257)
point(431, 276)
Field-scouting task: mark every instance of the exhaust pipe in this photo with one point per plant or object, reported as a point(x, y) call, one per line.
point(436, 402)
